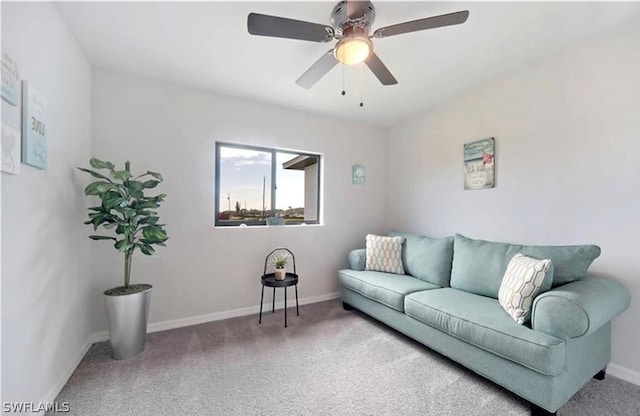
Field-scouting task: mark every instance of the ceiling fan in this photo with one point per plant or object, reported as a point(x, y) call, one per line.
point(351, 23)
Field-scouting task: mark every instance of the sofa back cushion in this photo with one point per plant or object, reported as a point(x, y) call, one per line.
point(427, 258)
point(570, 263)
point(478, 265)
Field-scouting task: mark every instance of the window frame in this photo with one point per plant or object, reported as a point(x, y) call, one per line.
point(273, 184)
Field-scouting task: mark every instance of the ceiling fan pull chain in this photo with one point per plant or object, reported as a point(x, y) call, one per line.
point(343, 89)
point(361, 84)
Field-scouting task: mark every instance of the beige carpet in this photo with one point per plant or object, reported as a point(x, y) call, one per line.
point(327, 362)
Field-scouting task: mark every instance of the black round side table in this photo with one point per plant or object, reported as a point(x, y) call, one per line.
point(269, 279)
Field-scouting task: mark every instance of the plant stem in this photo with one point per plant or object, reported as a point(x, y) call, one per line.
point(127, 269)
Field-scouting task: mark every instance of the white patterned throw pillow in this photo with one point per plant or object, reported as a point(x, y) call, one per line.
point(521, 284)
point(384, 254)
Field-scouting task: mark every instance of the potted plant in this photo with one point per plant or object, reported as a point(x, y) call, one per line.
point(280, 260)
point(130, 214)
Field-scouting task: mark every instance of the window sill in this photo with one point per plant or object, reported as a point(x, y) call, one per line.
point(251, 227)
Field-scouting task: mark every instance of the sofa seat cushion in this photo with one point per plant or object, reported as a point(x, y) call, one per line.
point(386, 288)
point(482, 322)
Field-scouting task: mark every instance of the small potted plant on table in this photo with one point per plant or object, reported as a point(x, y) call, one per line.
point(280, 260)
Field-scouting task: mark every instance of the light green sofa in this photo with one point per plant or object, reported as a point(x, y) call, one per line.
point(448, 302)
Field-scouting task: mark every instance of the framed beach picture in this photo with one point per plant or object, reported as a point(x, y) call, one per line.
point(479, 164)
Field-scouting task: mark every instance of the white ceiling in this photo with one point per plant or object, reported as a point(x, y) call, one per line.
point(206, 45)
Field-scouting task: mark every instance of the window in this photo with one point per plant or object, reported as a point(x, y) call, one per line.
point(262, 186)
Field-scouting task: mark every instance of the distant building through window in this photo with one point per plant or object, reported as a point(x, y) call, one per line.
point(264, 186)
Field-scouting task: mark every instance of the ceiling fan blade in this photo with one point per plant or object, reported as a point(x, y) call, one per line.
point(317, 70)
point(423, 24)
point(380, 70)
point(281, 27)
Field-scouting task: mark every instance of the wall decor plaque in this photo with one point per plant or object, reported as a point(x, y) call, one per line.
point(479, 164)
point(34, 127)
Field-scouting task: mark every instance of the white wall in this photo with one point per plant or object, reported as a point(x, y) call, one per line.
point(567, 165)
point(205, 270)
point(46, 320)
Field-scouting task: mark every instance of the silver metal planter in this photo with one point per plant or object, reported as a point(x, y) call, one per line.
point(128, 316)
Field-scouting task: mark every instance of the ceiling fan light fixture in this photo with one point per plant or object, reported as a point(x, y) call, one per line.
point(351, 23)
point(353, 50)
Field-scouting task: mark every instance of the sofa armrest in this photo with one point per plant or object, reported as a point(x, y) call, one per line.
point(579, 308)
point(357, 259)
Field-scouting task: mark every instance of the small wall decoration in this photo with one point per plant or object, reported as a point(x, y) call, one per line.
point(479, 164)
point(11, 97)
point(358, 174)
point(10, 80)
point(10, 150)
point(34, 132)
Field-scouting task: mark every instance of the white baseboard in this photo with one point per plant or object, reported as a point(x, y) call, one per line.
point(624, 373)
point(57, 387)
point(218, 316)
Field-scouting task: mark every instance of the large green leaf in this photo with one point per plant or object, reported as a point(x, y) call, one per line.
point(124, 246)
point(147, 204)
point(97, 220)
point(150, 183)
point(122, 191)
point(97, 163)
point(114, 200)
point(121, 175)
point(95, 174)
point(154, 234)
point(129, 213)
point(101, 237)
point(125, 229)
point(97, 188)
point(134, 186)
point(147, 249)
point(148, 220)
point(152, 174)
